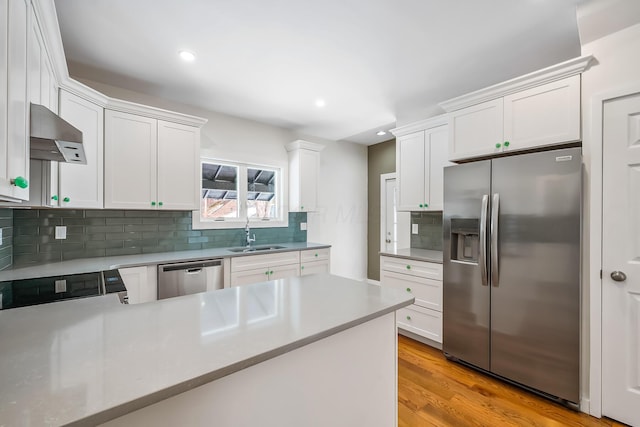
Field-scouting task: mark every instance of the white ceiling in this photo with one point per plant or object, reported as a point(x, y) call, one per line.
point(375, 62)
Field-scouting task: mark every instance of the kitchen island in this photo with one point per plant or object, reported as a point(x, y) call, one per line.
point(316, 350)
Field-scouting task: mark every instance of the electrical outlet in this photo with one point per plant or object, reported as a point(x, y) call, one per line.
point(414, 228)
point(61, 232)
point(303, 226)
point(60, 286)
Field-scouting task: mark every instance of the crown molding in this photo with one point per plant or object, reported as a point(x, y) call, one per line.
point(45, 11)
point(299, 143)
point(425, 124)
point(546, 75)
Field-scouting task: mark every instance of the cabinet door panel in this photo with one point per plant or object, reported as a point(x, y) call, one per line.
point(410, 160)
point(250, 276)
point(316, 267)
point(283, 271)
point(544, 115)
point(438, 155)
point(427, 292)
point(309, 170)
point(82, 185)
point(475, 131)
point(130, 161)
point(5, 186)
point(178, 166)
point(17, 96)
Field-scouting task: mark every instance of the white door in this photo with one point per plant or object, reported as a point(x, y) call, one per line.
point(621, 255)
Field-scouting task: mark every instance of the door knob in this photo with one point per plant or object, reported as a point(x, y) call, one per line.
point(618, 276)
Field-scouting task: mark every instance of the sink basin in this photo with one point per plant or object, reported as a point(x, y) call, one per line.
point(264, 248)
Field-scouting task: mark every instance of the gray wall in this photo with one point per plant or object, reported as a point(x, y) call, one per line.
point(429, 230)
point(381, 159)
point(6, 245)
point(97, 233)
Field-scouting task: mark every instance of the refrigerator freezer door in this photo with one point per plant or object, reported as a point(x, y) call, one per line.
point(535, 303)
point(465, 293)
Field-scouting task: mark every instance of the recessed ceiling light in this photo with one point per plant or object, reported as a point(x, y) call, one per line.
point(381, 132)
point(187, 56)
point(320, 103)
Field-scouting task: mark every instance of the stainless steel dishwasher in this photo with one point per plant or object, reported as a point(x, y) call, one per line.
point(183, 278)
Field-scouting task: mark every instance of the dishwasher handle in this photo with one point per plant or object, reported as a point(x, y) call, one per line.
point(189, 266)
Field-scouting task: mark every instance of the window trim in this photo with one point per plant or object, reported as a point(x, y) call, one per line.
point(281, 195)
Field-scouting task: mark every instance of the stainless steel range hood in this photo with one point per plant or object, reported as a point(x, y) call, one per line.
point(52, 138)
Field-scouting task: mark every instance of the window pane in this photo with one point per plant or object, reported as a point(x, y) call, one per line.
point(261, 193)
point(219, 191)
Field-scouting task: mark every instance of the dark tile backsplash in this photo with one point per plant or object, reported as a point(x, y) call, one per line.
point(96, 233)
point(429, 230)
point(6, 243)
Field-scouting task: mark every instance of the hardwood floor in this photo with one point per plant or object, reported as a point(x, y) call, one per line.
point(433, 391)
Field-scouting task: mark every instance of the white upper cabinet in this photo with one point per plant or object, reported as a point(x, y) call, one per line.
point(544, 115)
point(14, 100)
point(304, 171)
point(540, 109)
point(130, 159)
point(476, 131)
point(420, 160)
point(81, 186)
point(178, 166)
point(150, 163)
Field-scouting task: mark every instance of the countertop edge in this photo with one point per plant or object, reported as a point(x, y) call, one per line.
point(155, 397)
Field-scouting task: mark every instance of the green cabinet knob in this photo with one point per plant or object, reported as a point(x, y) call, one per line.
point(498, 145)
point(301, 207)
point(66, 199)
point(506, 143)
point(316, 255)
point(153, 203)
point(408, 289)
point(160, 203)
point(302, 267)
point(408, 267)
point(408, 317)
point(266, 272)
point(426, 205)
point(420, 205)
point(20, 181)
point(54, 197)
point(271, 272)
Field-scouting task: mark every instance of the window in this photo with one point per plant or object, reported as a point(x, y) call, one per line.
point(234, 192)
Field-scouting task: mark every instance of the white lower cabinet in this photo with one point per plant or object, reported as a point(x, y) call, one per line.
point(314, 261)
point(423, 280)
point(261, 268)
point(141, 283)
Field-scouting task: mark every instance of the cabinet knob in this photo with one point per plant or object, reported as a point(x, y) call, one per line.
point(66, 199)
point(20, 181)
point(302, 267)
point(498, 145)
point(316, 255)
point(426, 205)
point(506, 143)
point(160, 203)
point(408, 267)
point(408, 289)
point(408, 317)
point(54, 197)
point(153, 203)
point(266, 272)
point(271, 272)
point(301, 207)
point(420, 205)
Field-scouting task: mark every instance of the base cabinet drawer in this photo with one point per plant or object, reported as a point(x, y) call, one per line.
point(428, 270)
point(427, 292)
point(318, 267)
point(421, 321)
point(312, 255)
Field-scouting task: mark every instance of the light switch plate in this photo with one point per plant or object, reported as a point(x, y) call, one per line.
point(61, 232)
point(303, 226)
point(414, 228)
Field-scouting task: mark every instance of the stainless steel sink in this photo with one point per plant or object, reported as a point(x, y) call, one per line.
point(264, 248)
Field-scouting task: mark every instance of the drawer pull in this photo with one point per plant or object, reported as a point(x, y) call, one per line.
point(408, 267)
point(302, 267)
point(408, 317)
point(316, 255)
point(408, 289)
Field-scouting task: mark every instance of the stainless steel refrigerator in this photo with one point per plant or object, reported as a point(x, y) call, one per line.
point(512, 244)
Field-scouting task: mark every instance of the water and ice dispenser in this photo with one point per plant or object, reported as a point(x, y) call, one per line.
point(465, 239)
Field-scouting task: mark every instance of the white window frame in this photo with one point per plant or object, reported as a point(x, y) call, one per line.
point(281, 196)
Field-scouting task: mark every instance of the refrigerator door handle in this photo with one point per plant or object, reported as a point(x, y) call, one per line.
point(495, 211)
point(482, 256)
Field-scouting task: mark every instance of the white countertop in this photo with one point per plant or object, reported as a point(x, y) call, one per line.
point(415, 254)
point(91, 265)
point(92, 360)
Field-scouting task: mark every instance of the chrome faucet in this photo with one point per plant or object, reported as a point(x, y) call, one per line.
point(247, 230)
